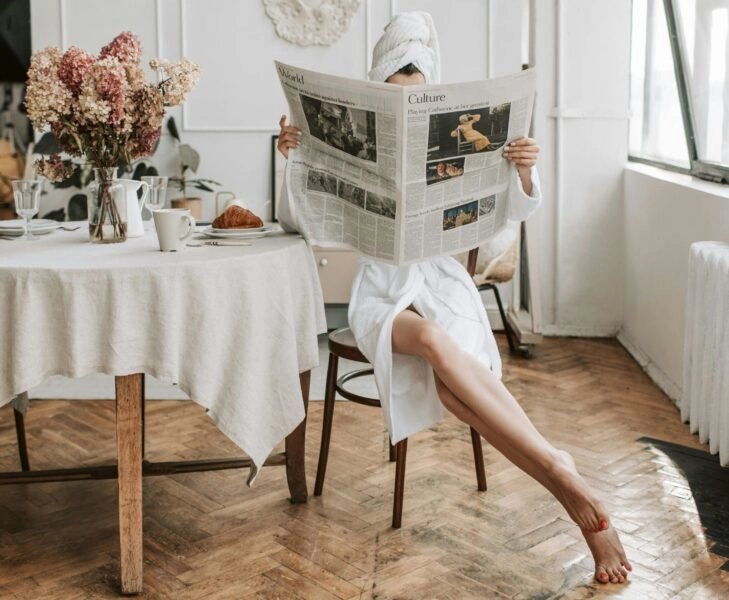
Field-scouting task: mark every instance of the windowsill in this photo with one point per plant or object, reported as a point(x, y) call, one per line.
point(719, 190)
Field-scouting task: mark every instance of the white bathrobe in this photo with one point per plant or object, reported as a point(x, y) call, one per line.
point(439, 289)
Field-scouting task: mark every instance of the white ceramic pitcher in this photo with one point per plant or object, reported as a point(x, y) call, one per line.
point(135, 226)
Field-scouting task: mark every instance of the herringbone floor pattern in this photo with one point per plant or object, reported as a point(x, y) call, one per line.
point(208, 536)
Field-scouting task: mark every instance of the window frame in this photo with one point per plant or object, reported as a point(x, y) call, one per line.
point(701, 168)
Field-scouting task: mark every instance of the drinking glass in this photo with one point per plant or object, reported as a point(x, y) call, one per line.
point(27, 193)
point(157, 193)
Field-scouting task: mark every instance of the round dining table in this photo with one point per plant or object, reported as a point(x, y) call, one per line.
point(234, 326)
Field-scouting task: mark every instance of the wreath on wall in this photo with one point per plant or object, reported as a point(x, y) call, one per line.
point(309, 22)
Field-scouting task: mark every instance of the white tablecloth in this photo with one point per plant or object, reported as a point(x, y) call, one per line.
point(232, 326)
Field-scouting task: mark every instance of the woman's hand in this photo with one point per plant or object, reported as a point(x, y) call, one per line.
point(288, 137)
point(524, 153)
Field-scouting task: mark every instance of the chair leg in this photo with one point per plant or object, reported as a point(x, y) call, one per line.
point(402, 455)
point(22, 446)
point(478, 459)
point(507, 327)
point(143, 412)
point(326, 428)
point(393, 451)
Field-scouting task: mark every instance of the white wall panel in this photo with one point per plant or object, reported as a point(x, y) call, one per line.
point(45, 17)
point(596, 51)
point(506, 18)
point(235, 44)
point(91, 24)
point(582, 57)
point(591, 258)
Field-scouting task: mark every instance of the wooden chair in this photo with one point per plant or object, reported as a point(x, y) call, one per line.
point(343, 345)
point(464, 146)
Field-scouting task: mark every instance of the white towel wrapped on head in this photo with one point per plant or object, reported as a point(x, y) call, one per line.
point(409, 38)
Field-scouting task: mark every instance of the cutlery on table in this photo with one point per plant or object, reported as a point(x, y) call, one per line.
point(219, 243)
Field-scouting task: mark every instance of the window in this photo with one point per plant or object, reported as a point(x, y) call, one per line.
point(679, 86)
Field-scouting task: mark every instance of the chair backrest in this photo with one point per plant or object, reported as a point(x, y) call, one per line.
point(501, 268)
point(463, 143)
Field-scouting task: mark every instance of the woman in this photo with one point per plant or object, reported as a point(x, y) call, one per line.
point(406, 321)
point(465, 127)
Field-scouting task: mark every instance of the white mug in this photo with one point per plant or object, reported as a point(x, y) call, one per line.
point(174, 227)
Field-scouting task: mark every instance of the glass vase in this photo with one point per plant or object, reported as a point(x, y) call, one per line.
point(107, 208)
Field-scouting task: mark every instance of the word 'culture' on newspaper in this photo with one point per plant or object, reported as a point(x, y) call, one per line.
point(402, 173)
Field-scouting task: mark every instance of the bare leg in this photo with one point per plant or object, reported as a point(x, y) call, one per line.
point(482, 401)
point(501, 420)
point(611, 564)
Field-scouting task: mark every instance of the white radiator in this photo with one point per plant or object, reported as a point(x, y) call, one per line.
point(705, 399)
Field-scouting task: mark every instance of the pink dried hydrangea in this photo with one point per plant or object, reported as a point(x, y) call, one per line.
point(75, 63)
point(102, 109)
point(46, 99)
point(146, 120)
point(104, 89)
point(181, 76)
point(53, 168)
point(135, 77)
point(125, 47)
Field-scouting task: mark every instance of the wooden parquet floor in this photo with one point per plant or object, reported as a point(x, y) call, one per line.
point(208, 536)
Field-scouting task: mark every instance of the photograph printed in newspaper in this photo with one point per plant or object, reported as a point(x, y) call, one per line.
point(402, 173)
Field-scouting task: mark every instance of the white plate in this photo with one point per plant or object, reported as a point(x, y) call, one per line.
point(238, 229)
point(37, 226)
point(237, 234)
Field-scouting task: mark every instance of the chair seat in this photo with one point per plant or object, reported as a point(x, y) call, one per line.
point(343, 344)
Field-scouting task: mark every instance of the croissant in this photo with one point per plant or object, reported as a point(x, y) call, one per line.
point(236, 217)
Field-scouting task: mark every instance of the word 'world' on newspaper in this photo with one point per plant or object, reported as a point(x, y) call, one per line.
point(402, 173)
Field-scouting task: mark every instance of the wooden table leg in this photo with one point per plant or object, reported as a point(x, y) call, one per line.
point(129, 457)
point(296, 449)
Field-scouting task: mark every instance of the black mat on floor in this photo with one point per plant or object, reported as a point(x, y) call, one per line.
point(709, 483)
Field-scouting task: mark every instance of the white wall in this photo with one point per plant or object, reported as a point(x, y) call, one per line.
point(581, 48)
point(664, 214)
point(230, 117)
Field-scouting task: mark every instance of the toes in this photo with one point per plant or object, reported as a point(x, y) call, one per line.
point(604, 575)
point(618, 575)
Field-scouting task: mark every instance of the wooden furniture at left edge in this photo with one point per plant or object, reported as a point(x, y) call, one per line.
point(131, 467)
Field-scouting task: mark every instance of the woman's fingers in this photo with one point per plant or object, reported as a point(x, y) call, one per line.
point(288, 137)
point(523, 152)
point(523, 155)
point(287, 128)
point(522, 145)
point(285, 144)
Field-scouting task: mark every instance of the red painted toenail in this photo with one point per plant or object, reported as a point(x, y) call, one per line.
point(603, 524)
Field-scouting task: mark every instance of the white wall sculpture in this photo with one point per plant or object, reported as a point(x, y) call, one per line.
point(309, 22)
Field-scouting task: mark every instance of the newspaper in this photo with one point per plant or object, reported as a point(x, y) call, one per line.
point(402, 173)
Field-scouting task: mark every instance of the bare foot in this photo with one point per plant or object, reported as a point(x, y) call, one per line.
point(611, 564)
point(576, 496)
